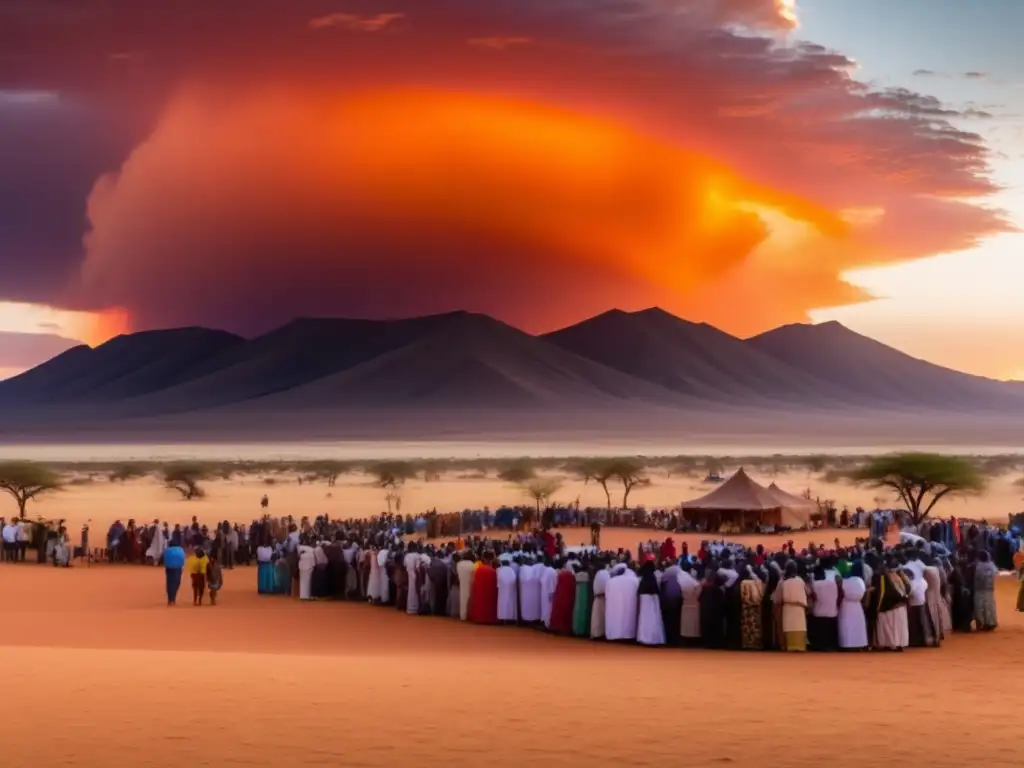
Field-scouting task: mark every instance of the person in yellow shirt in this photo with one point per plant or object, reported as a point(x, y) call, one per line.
point(196, 568)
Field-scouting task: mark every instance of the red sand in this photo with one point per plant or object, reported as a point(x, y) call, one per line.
point(98, 671)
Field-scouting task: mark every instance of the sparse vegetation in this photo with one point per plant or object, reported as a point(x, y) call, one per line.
point(921, 480)
point(26, 480)
point(518, 472)
point(541, 489)
point(184, 477)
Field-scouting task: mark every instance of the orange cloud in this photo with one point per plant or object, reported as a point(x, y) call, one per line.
point(354, 22)
point(388, 202)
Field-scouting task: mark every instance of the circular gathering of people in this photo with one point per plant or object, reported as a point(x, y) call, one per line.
point(723, 596)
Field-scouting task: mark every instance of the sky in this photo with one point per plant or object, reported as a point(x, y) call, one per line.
point(748, 163)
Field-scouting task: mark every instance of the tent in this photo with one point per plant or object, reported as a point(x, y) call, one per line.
point(795, 511)
point(738, 501)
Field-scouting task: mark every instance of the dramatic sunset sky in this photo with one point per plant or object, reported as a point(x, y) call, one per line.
point(743, 162)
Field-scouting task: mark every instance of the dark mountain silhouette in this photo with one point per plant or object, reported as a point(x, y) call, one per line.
point(616, 364)
point(696, 359)
point(882, 375)
point(126, 366)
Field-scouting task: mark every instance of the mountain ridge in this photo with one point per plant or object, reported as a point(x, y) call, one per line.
point(648, 360)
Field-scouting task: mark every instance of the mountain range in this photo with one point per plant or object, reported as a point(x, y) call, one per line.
point(636, 367)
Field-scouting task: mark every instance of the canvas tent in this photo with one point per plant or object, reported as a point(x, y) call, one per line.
point(738, 501)
point(795, 512)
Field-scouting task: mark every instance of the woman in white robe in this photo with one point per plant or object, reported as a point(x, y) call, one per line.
point(158, 545)
point(508, 588)
point(412, 569)
point(373, 581)
point(620, 604)
point(465, 572)
point(597, 611)
point(529, 592)
point(548, 581)
point(383, 582)
point(853, 625)
point(650, 628)
point(307, 561)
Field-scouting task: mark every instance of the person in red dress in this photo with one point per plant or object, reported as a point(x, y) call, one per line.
point(483, 597)
point(564, 602)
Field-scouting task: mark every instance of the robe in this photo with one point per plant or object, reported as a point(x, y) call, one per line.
point(548, 583)
point(412, 568)
point(689, 618)
point(483, 606)
point(751, 601)
point(465, 571)
point(853, 624)
point(650, 628)
point(581, 609)
point(671, 603)
point(529, 592)
point(383, 582)
point(892, 630)
point(712, 615)
point(373, 592)
point(307, 561)
point(791, 594)
point(597, 612)
point(621, 606)
point(563, 602)
point(508, 598)
point(984, 596)
point(933, 601)
point(157, 546)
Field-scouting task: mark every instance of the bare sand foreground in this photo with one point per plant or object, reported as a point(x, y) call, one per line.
point(98, 672)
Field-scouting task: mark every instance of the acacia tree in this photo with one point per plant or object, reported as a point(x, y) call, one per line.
point(541, 489)
point(599, 470)
point(920, 480)
point(26, 480)
point(391, 476)
point(519, 472)
point(330, 471)
point(631, 474)
point(131, 470)
point(184, 477)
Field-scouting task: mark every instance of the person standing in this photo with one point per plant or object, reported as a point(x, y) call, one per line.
point(174, 561)
point(214, 578)
point(853, 625)
point(791, 594)
point(984, 593)
point(196, 567)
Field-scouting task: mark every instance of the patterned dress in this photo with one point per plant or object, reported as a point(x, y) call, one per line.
point(751, 600)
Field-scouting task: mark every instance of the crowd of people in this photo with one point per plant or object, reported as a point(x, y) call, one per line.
point(870, 595)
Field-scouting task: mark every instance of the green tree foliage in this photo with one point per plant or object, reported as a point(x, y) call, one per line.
point(184, 477)
point(392, 474)
point(920, 480)
point(541, 489)
point(26, 480)
point(519, 472)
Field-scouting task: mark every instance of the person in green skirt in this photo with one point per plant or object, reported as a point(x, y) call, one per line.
point(581, 608)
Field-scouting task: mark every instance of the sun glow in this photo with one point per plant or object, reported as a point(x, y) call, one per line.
point(90, 327)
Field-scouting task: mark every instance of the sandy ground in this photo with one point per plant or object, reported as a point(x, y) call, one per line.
point(98, 671)
point(101, 502)
point(263, 681)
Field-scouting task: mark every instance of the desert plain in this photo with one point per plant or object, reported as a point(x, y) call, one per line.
point(98, 671)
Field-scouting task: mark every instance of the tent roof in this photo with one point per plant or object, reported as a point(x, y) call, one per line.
point(787, 499)
point(738, 493)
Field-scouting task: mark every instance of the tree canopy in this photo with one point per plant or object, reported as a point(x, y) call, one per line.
point(184, 477)
point(541, 489)
point(519, 471)
point(25, 480)
point(392, 474)
point(920, 480)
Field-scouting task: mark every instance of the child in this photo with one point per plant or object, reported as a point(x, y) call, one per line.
point(214, 578)
point(196, 566)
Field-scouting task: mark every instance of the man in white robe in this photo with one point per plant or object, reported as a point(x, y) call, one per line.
point(307, 561)
point(548, 583)
point(373, 582)
point(412, 567)
point(529, 592)
point(508, 593)
point(157, 545)
point(383, 583)
point(620, 611)
point(597, 611)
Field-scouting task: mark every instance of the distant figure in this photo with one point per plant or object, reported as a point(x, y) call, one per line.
point(196, 565)
point(174, 561)
point(265, 501)
point(214, 578)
